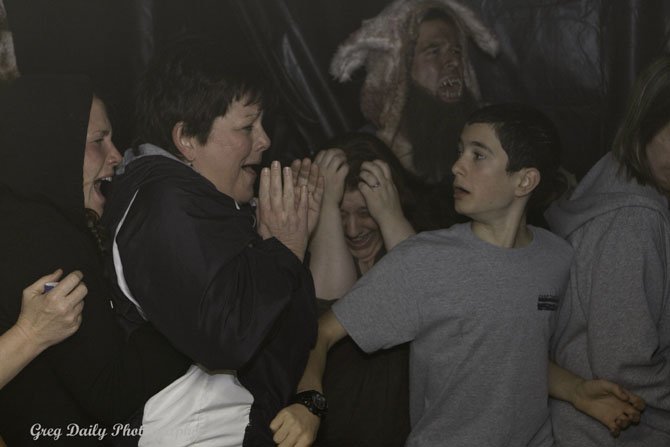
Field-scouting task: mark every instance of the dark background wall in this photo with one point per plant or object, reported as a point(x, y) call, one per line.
point(575, 59)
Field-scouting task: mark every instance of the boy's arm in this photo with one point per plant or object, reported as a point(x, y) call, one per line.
point(295, 425)
point(603, 400)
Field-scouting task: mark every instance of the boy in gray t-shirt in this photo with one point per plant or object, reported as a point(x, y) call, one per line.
point(476, 302)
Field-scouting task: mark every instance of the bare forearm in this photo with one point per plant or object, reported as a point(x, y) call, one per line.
point(316, 365)
point(395, 231)
point(16, 351)
point(331, 263)
point(605, 401)
point(295, 425)
point(562, 383)
point(330, 332)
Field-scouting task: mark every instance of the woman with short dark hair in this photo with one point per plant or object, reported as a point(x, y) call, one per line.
point(226, 285)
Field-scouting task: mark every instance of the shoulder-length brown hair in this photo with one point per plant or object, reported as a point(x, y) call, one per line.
point(359, 147)
point(647, 113)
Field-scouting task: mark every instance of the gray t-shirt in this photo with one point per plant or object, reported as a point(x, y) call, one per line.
point(480, 318)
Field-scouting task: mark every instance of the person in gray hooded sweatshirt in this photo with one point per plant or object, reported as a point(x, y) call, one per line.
point(614, 322)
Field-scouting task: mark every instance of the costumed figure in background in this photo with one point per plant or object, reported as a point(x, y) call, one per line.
point(420, 85)
point(8, 68)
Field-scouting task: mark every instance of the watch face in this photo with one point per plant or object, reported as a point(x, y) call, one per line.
point(314, 401)
point(319, 401)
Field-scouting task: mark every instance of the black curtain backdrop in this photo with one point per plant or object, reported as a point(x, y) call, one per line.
point(574, 59)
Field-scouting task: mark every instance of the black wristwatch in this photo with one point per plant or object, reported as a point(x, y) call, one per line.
point(314, 401)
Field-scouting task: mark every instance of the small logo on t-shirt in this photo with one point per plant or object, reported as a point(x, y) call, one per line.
point(547, 302)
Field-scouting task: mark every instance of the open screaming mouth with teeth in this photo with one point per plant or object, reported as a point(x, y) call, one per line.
point(103, 184)
point(450, 89)
point(359, 241)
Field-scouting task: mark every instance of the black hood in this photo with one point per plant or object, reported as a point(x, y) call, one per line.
point(43, 123)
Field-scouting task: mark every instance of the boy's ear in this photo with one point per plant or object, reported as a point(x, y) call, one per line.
point(184, 143)
point(529, 178)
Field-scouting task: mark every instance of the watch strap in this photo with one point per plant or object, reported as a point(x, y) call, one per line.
point(314, 401)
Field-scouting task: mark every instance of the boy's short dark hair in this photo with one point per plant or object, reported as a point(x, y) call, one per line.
point(530, 140)
point(194, 81)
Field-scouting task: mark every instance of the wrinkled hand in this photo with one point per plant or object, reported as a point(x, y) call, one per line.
point(379, 191)
point(608, 403)
point(48, 318)
point(295, 426)
point(306, 173)
point(282, 213)
point(334, 168)
point(261, 228)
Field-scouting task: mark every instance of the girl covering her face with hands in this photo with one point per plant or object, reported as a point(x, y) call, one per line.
point(362, 217)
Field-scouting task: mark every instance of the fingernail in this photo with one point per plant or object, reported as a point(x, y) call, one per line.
point(275, 164)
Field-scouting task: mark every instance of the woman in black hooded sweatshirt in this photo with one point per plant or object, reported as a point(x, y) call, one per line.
point(98, 377)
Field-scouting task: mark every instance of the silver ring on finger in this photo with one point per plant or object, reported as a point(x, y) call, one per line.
point(376, 185)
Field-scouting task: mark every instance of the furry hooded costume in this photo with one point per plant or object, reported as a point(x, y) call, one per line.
point(8, 68)
point(384, 45)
